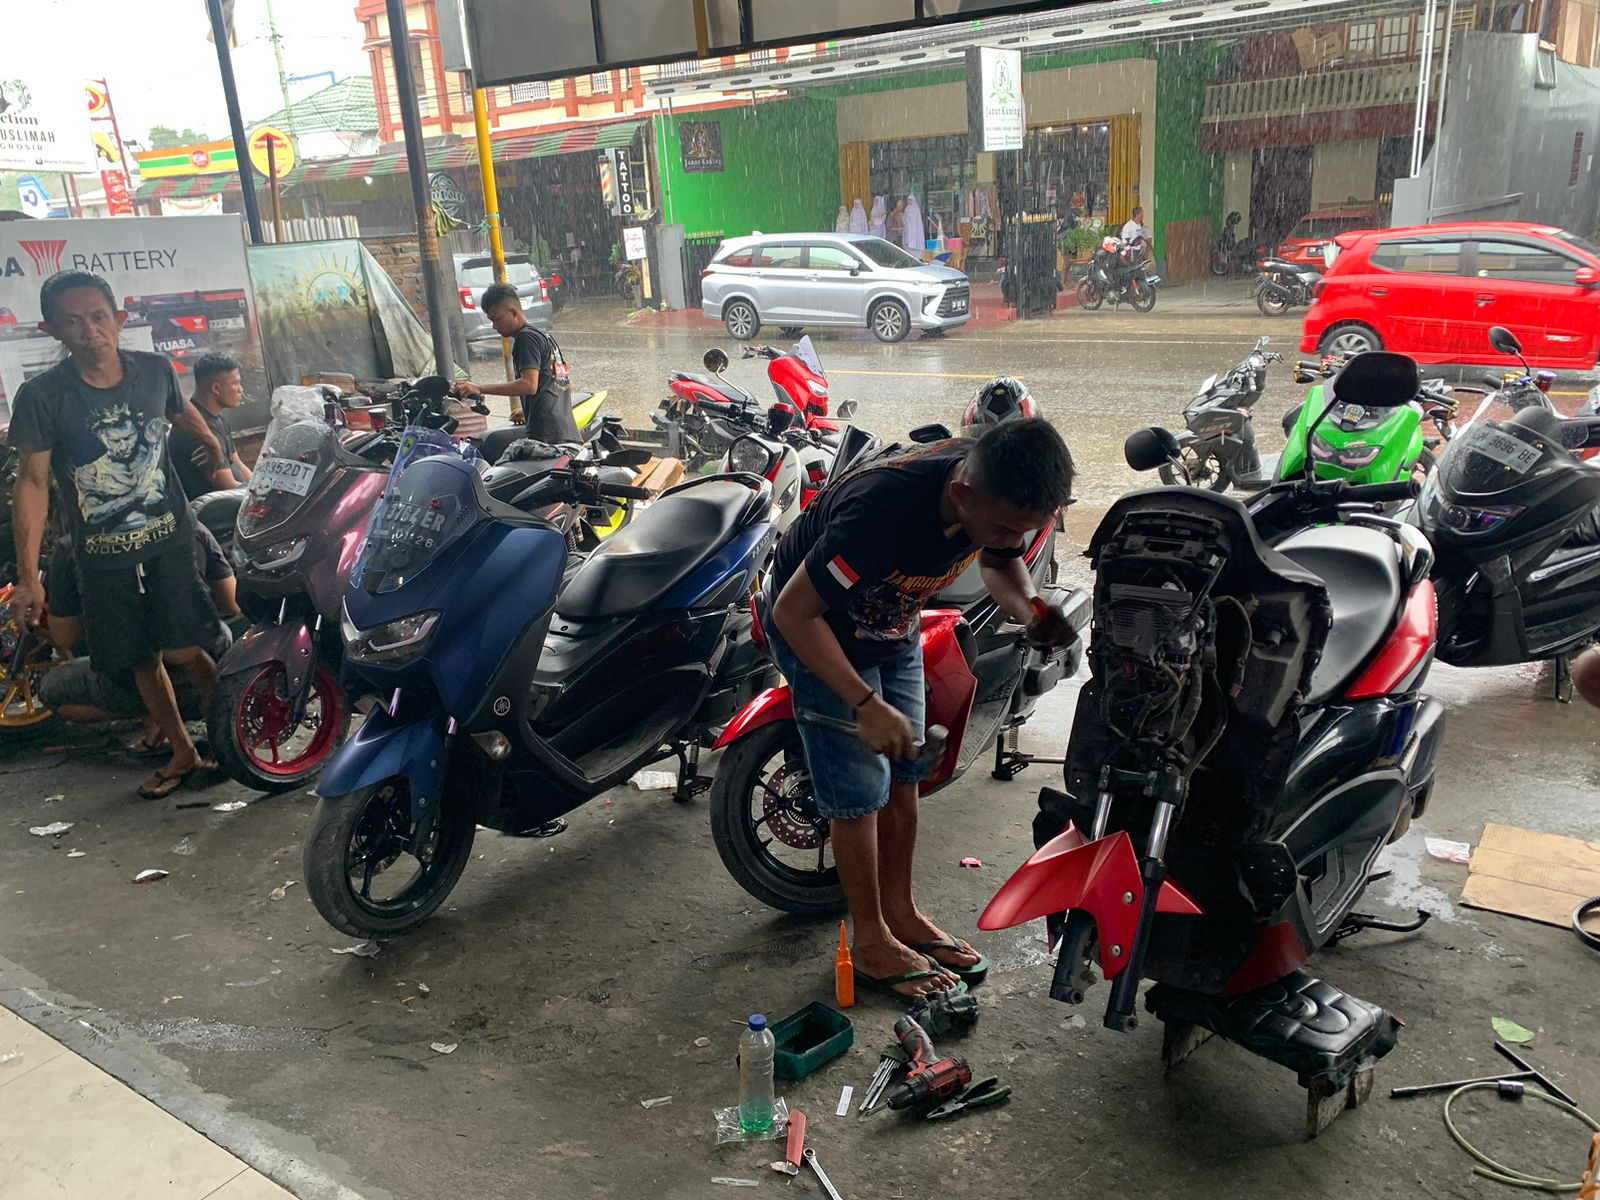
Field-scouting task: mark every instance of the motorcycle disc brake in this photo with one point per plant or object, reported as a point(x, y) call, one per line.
point(790, 810)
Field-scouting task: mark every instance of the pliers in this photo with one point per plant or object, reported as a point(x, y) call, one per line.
point(982, 1094)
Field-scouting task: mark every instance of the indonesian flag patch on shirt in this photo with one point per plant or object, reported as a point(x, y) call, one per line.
point(841, 572)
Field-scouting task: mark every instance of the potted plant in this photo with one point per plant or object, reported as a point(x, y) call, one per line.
point(1080, 241)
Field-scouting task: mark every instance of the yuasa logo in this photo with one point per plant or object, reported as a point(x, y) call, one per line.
point(46, 255)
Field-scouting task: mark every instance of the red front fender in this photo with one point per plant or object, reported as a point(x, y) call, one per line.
point(774, 704)
point(1101, 877)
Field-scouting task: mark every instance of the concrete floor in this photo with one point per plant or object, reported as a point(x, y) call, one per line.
point(576, 975)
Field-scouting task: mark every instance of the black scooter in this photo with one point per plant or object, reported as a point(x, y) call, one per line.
point(1283, 285)
point(1515, 517)
point(1218, 449)
point(1254, 733)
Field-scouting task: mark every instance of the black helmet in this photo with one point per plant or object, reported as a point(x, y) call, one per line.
point(996, 402)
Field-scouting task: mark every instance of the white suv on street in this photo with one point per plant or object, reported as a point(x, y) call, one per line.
point(811, 280)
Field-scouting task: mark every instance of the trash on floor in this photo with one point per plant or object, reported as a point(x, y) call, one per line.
point(77, 854)
point(278, 893)
point(55, 799)
point(184, 846)
point(730, 1181)
point(50, 830)
point(8, 1059)
point(655, 1103)
point(784, 1167)
point(360, 949)
point(702, 1042)
point(1537, 876)
point(729, 1128)
point(654, 781)
point(443, 1047)
point(971, 862)
point(843, 1106)
point(1447, 851)
point(424, 990)
point(1509, 1031)
point(151, 875)
point(230, 806)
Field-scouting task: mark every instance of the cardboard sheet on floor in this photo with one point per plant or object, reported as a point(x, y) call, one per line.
point(1539, 876)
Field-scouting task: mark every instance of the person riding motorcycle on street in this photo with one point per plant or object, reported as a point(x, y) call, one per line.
point(847, 587)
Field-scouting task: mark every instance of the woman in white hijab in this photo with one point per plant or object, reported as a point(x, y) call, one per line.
point(877, 220)
point(842, 223)
point(858, 217)
point(914, 239)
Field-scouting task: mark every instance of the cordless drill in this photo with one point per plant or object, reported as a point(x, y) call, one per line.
point(930, 1079)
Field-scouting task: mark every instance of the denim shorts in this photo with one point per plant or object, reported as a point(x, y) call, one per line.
point(848, 779)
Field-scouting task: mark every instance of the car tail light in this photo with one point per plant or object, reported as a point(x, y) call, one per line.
point(555, 281)
point(467, 299)
point(544, 290)
point(1316, 289)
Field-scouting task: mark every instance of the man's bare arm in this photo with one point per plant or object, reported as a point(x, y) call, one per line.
point(30, 509)
point(189, 420)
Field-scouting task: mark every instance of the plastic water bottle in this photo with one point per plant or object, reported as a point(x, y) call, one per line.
point(756, 1053)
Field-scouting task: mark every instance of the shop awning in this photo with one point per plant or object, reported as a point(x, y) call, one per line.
point(509, 148)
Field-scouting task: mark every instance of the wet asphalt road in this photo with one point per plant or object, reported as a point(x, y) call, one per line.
point(577, 975)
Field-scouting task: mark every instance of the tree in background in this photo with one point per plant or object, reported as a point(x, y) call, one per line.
point(164, 137)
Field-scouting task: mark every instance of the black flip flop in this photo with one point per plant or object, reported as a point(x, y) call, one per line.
point(886, 985)
point(971, 976)
point(171, 783)
point(142, 751)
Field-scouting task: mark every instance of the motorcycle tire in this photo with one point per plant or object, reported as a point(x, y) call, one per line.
point(249, 711)
point(1089, 296)
point(739, 841)
point(1272, 300)
point(1220, 266)
point(1141, 296)
point(342, 825)
point(1205, 471)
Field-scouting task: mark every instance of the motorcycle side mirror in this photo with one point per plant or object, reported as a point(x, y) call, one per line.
point(628, 458)
point(1147, 449)
point(930, 433)
point(1504, 341)
point(779, 418)
point(432, 388)
point(716, 360)
point(849, 409)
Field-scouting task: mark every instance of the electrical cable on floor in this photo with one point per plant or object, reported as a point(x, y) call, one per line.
point(1491, 1169)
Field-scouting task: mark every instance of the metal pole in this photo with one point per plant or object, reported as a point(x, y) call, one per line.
point(283, 80)
point(230, 93)
point(1438, 110)
point(491, 200)
point(70, 186)
point(1424, 78)
point(417, 167)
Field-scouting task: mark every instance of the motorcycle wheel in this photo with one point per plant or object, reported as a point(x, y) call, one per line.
point(1089, 296)
point(359, 843)
point(762, 805)
point(1141, 296)
point(1220, 266)
point(1273, 301)
point(22, 716)
point(249, 725)
point(1205, 470)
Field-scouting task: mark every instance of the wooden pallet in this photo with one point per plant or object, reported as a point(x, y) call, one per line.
point(660, 473)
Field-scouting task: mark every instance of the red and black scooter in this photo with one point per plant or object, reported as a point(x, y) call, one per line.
point(983, 679)
point(1254, 733)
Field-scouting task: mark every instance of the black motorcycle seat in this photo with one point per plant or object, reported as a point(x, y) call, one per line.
point(710, 384)
point(507, 479)
point(657, 550)
point(218, 511)
point(1361, 570)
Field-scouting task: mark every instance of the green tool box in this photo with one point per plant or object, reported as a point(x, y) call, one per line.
point(810, 1038)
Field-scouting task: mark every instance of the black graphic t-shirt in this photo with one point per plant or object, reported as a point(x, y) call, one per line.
point(875, 548)
point(108, 449)
point(185, 445)
point(549, 410)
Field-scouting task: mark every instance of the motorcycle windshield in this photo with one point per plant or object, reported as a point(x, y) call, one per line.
point(1491, 459)
point(807, 353)
point(297, 454)
point(425, 509)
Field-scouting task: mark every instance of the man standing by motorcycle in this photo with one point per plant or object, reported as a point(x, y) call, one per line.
point(542, 392)
point(849, 581)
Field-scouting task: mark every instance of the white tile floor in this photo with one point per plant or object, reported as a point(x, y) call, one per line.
point(69, 1131)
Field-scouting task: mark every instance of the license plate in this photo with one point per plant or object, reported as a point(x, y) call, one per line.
point(1506, 450)
point(958, 306)
point(286, 475)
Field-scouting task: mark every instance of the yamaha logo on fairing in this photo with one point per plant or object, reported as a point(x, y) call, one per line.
point(502, 705)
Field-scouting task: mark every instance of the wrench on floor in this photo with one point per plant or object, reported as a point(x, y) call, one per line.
point(822, 1176)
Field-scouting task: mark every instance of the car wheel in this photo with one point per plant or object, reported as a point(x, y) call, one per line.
point(889, 321)
point(1350, 339)
point(741, 319)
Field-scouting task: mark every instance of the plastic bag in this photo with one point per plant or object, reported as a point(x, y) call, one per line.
point(729, 1129)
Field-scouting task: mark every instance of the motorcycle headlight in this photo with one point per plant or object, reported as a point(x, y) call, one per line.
point(817, 389)
point(1359, 456)
point(1470, 521)
point(747, 454)
point(279, 555)
point(1322, 449)
point(390, 644)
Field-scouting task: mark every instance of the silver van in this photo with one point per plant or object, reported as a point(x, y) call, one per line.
point(813, 280)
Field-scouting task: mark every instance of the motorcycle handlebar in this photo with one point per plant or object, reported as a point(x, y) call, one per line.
point(621, 491)
point(1380, 493)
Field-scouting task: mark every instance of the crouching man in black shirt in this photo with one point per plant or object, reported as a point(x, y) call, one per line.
point(849, 582)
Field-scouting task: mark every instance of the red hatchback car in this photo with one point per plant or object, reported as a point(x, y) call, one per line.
point(1304, 243)
point(1434, 291)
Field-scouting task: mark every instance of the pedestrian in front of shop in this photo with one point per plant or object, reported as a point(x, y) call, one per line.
point(896, 224)
point(913, 237)
point(858, 217)
point(841, 223)
point(218, 390)
point(847, 589)
point(1134, 228)
point(98, 420)
point(541, 394)
point(75, 691)
point(878, 219)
